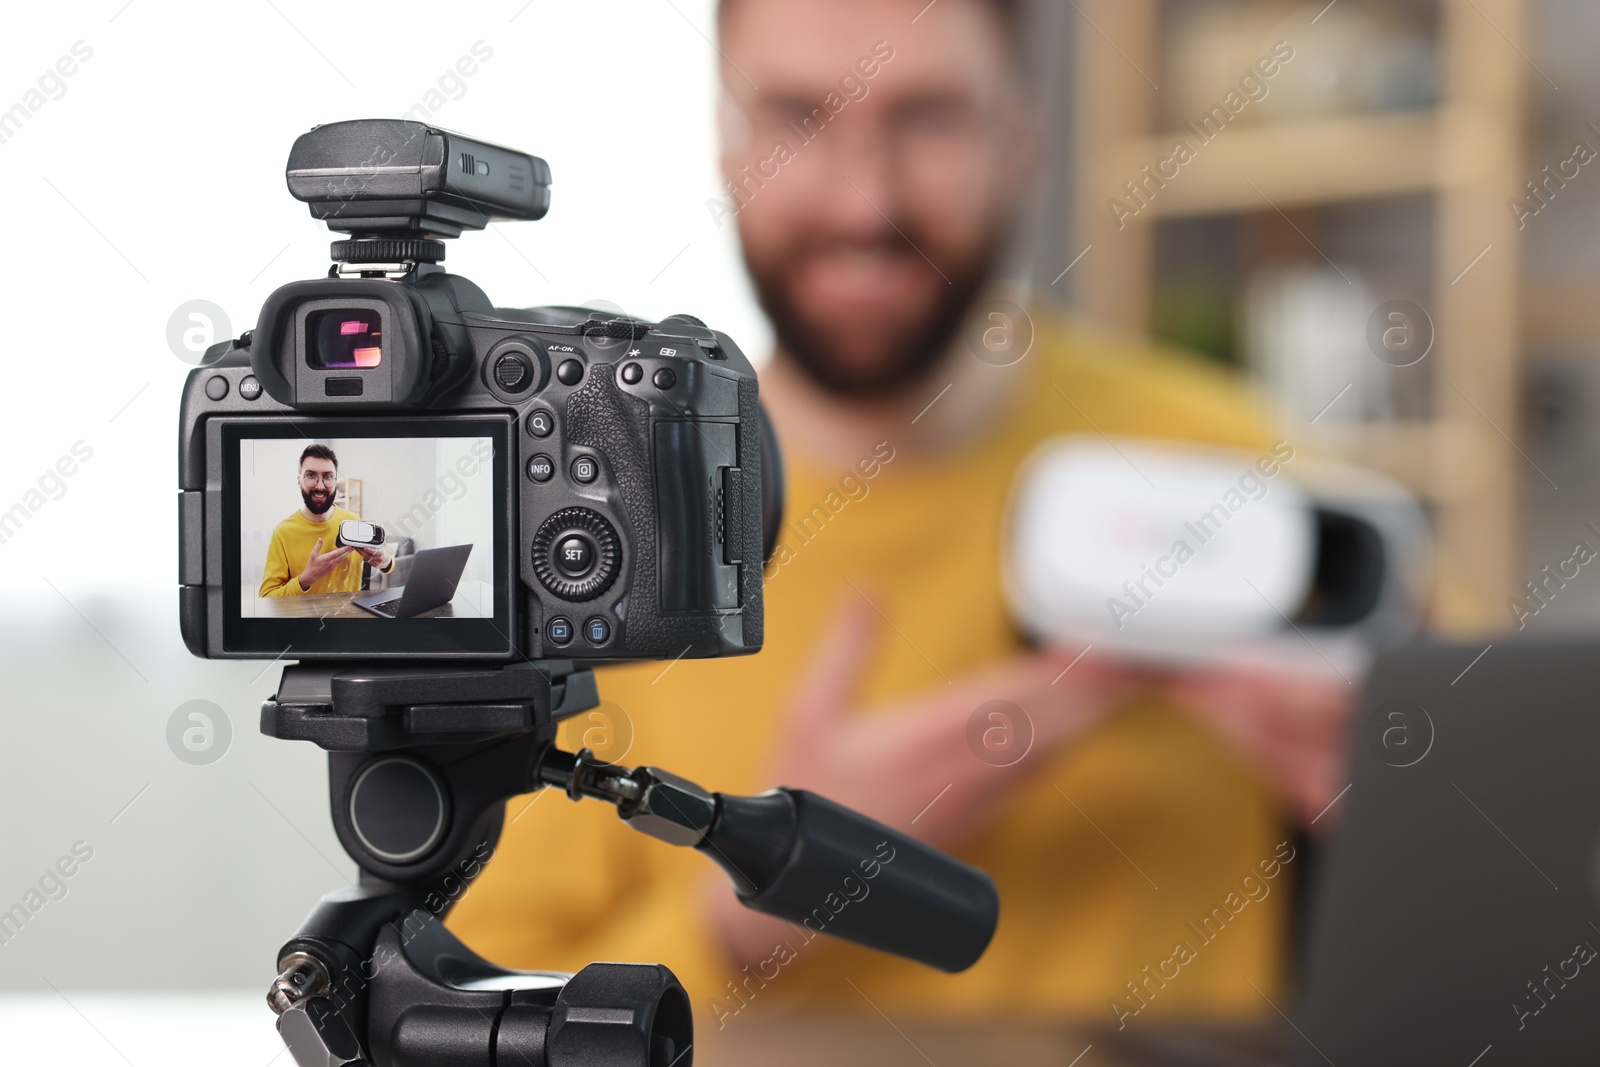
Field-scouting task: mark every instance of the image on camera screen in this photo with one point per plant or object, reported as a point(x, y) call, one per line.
point(433, 496)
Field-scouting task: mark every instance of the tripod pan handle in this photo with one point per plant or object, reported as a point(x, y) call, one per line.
point(801, 857)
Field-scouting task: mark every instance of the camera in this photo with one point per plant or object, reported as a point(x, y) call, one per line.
point(563, 483)
point(449, 513)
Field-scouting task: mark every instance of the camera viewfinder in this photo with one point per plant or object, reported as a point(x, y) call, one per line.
point(344, 339)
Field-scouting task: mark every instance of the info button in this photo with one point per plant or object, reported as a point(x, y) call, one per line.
point(541, 468)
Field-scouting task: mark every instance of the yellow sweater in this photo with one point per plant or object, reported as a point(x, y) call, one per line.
point(1081, 918)
point(290, 549)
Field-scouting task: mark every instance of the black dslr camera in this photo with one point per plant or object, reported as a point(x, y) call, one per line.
point(608, 487)
point(444, 511)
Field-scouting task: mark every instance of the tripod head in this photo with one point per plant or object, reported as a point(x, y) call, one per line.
point(421, 763)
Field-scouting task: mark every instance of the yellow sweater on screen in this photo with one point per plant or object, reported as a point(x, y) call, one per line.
point(1098, 893)
point(290, 549)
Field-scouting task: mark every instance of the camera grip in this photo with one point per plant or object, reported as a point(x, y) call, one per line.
point(801, 857)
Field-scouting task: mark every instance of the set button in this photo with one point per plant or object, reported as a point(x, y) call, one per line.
point(574, 555)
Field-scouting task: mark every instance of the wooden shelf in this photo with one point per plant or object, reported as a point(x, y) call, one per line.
point(1258, 167)
point(1466, 155)
point(1433, 459)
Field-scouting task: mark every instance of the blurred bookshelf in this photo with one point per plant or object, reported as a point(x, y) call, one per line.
point(1374, 165)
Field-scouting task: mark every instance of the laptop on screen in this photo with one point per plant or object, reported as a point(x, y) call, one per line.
point(435, 573)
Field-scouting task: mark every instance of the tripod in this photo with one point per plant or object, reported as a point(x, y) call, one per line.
point(421, 762)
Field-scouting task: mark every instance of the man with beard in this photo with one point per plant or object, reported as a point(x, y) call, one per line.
point(296, 562)
point(891, 144)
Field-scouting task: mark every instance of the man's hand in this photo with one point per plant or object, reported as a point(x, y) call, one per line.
point(891, 762)
point(910, 762)
point(377, 558)
point(321, 563)
point(1291, 725)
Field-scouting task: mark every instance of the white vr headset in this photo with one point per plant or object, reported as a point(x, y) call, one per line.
point(1187, 554)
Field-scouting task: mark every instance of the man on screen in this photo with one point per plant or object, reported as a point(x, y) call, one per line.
point(296, 560)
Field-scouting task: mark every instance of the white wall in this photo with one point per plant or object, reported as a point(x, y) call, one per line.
point(465, 516)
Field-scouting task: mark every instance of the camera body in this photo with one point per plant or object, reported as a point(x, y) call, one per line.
point(616, 477)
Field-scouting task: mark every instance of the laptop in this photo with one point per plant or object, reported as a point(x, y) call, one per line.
point(435, 573)
point(1457, 917)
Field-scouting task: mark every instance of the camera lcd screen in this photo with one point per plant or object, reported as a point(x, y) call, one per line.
point(344, 339)
point(438, 582)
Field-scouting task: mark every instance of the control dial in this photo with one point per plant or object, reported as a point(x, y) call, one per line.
point(576, 553)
